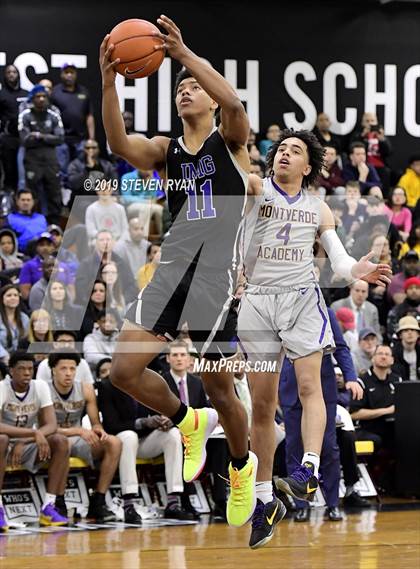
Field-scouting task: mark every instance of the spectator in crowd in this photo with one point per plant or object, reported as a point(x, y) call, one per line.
point(358, 170)
point(41, 131)
point(75, 106)
point(10, 258)
point(132, 247)
point(32, 270)
point(257, 168)
point(70, 399)
point(366, 313)
point(64, 255)
point(410, 306)
point(413, 241)
point(25, 222)
point(11, 95)
point(362, 356)
point(338, 208)
point(406, 351)
point(103, 370)
point(331, 178)
point(14, 323)
point(65, 340)
point(102, 341)
point(145, 273)
point(28, 436)
point(378, 146)
point(410, 181)
point(39, 331)
point(96, 304)
point(292, 413)
point(398, 214)
point(88, 166)
point(64, 315)
point(410, 268)
point(39, 289)
point(106, 213)
point(377, 294)
point(115, 297)
point(141, 193)
point(272, 135)
point(354, 208)
point(347, 323)
point(376, 409)
point(323, 133)
point(91, 267)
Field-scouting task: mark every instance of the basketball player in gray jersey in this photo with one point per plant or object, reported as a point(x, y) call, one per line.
point(28, 435)
point(283, 311)
point(72, 399)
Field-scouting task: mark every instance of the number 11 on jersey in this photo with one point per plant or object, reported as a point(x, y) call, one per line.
point(208, 211)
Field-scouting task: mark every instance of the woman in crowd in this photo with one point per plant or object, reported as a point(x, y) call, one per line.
point(97, 303)
point(64, 315)
point(398, 213)
point(379, 244)
point(10, 258)
point(114, 297)
point(13, 322)
point(39, 330)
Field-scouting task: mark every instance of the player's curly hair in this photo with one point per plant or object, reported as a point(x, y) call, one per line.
point(315, 151)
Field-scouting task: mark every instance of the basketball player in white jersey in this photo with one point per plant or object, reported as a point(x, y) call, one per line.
point(283, 311)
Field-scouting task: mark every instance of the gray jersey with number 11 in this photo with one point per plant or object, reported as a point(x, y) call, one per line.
point(279, 234)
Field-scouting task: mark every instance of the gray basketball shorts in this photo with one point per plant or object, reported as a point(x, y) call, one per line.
point(273, 322)
point(30, 460)
point(81, 449)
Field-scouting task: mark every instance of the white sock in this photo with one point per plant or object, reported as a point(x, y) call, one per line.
point(264, 491)
point(313, 459)
point(1, 501)
point(49, 499)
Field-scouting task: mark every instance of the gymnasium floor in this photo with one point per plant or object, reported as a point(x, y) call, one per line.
point(366, 540)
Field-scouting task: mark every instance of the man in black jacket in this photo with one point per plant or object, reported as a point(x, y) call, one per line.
point(11, 95)
point(41, 131)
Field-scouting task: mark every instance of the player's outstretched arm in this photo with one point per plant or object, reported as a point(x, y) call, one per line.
point(139, 151)
point(342, 263)
point(234, 120)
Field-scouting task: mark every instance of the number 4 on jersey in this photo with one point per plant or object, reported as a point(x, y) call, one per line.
point(284, 233)
point(208, 210)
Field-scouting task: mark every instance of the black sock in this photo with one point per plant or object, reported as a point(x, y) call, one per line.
point(180, 414)
point(99, 497)
point(129, 499)
point(239, 463)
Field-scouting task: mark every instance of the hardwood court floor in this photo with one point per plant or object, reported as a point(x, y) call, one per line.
point(370, 540)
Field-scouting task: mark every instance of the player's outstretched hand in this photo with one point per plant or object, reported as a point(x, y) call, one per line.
point(173, 42)
point(374, 273)
point(107, 66)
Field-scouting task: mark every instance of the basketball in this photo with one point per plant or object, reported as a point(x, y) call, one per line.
point(134, 46)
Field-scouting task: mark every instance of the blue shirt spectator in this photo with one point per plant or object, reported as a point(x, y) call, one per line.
point(26, 223)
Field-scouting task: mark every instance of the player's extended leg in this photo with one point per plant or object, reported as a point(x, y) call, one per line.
point(58, 469)
point(130, 374)
point(4, 443)
point(243, 468)
point(269, 510)
point(303, 483)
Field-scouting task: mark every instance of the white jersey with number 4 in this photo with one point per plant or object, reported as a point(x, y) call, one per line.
point(278, 239)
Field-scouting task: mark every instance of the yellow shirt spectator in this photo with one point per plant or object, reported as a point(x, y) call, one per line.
point(410, 181)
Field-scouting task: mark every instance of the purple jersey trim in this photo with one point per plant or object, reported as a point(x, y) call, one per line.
point(324, 318)
point(289, 199)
